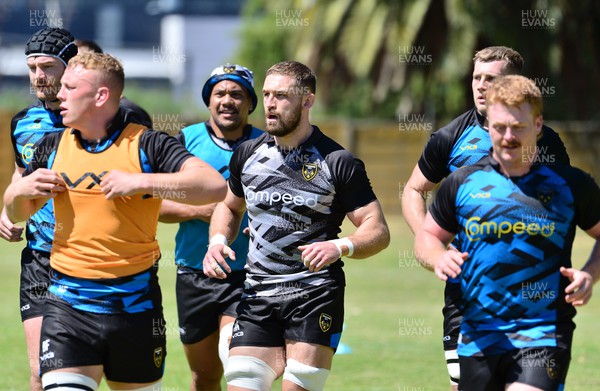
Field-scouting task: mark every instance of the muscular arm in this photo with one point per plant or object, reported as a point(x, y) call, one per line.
point(195, 183)
point(414, 198)
point(579, 291)
point(176, 212)
point(27, 195)
point(227, 216)
point(8, 230)
point(431, 250)
point(372, 234)
point(592, 266)
point(226, 220)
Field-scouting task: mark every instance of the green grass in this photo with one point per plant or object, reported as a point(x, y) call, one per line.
point(393, 323)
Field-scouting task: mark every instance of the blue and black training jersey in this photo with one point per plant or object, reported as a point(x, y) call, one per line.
point(465, 141)
point(518, 232)
point(192, 238)
point(27, 128)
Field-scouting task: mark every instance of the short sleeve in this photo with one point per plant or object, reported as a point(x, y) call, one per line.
point(443, 207)
point(163, 152)
point(352, 184)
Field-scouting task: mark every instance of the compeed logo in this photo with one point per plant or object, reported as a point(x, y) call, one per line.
point(475, 229)
point(309, 171)
point(325, 321)
point(158, 357)
point(263, 196)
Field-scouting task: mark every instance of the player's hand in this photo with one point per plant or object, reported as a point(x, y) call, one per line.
point(451, 247)
point(449, 265)
point(318, 255)
point(579, 290)
point(214, 264)
point(246, 231)
point(8, 230)
point(119, 184)
point(42, 183)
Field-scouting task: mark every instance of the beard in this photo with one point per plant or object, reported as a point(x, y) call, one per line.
point(46, 92)
point(286, 125)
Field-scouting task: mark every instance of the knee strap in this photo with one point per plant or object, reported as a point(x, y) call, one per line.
point(453, 366)
point(307, 377)
point(249, 372)
point(224, 338)
point(68, 381)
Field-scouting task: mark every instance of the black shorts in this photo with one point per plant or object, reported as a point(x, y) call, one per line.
point(131, 347)
point(453, 315)
point(544, 367)
point(315, 315)
point(201, 300)
point(35, 280)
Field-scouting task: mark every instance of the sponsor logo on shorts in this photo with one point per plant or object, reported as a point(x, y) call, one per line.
point(236, 331)
point(325, 321)
point(158, 357)
point(552, 373)
point(45, 353)
point(25, 307)
point(309, 171)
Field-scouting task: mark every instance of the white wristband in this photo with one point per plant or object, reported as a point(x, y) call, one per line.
point(218, 239)
point(344, 242)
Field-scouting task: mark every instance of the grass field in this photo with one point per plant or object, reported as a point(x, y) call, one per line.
point(393, 324)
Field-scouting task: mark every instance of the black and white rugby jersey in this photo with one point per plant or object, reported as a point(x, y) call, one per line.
point(294, 196)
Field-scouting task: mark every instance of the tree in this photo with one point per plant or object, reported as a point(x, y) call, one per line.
point(381, 58)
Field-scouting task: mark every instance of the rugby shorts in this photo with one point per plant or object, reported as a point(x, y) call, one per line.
point(542, 367)
point(130, 346)
point(201, 300)
point(313, 315)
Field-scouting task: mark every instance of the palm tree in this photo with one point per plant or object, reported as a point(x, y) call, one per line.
point(385, 57)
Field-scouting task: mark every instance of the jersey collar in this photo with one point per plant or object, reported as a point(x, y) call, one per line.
point(231, 143)
point(118, 123)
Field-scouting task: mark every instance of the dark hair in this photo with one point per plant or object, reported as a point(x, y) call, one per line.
point(514, 61)
point(91, 45)
point(304, 76)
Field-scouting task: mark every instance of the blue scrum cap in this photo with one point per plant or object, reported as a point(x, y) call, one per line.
point(237, 73)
